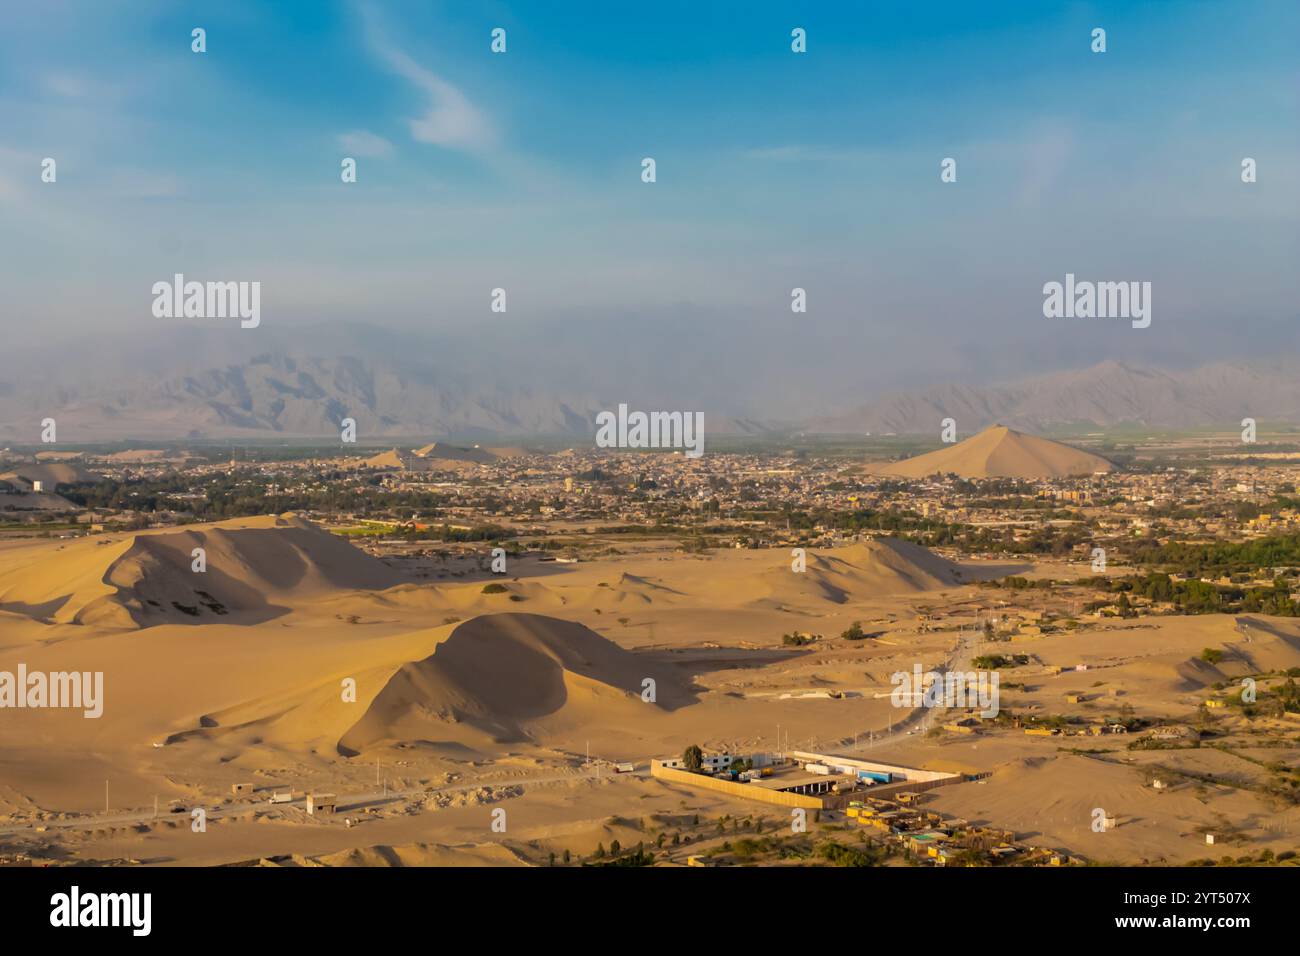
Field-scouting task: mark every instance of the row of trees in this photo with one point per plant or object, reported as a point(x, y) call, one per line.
point(1222, 558)
point(1197, 597)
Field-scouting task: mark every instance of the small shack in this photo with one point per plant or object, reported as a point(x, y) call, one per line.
point(318, 803)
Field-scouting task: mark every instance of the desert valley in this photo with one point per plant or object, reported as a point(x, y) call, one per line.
point(498, 656)
point(580, 436)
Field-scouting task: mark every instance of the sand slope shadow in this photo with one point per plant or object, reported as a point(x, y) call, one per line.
point(503, 674)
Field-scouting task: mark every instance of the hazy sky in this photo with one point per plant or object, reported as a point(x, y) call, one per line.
point(775, 170)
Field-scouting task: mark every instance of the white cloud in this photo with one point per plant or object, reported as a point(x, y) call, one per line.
point(360, 142)
point(452, 120)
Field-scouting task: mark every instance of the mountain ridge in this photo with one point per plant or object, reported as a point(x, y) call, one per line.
point(295, 395)
point(1110, 393)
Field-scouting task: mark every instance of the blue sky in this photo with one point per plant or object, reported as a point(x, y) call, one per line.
point(775, 170)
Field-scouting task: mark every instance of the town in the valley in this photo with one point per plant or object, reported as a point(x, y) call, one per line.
point(546, 655)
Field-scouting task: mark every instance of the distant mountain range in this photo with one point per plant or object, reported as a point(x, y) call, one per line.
point(1108, 394)
point(292, 396)
point(284, 393)
point(392, 391)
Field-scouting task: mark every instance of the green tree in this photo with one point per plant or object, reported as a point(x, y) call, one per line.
point(1125, 607)
point(693, 757)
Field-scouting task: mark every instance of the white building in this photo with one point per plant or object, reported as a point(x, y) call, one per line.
point(711, 762)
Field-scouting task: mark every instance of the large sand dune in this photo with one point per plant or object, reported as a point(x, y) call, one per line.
point(509, 677)
point(148, 578)
point(1000, 452)
point(437, 451)
point(436, 455)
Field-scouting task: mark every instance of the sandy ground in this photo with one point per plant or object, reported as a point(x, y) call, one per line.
point(326, 670)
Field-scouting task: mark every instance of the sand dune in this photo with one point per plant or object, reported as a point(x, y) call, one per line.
point(51, 473)
point(385, 459)
point(1251, 645)
point(435, 455)
point(413, 854)
point(1262, 644)
point(877, 567)
point(732, 579)
point(1194, 674)
point(627, 592)
point(470, 597)
point(135, 455)
point(148, 578)
point(626, 580)
point(504, 675)
point(58, 584)
point(1000, 452)
point(458, 690)
point(438, 451)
